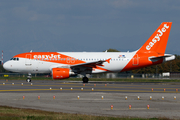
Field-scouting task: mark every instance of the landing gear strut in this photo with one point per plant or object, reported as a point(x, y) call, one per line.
point(28, 77)
point(85, 80)
point(28, 80)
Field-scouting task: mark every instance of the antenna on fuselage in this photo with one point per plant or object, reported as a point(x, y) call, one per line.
point(31, 51)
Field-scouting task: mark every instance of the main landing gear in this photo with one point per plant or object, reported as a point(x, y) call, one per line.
point(85, 80)
point(28, 77)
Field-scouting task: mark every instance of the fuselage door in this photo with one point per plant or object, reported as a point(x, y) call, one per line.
point(28, 60)
point(136, 60)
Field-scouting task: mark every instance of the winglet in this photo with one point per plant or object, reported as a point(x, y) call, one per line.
point(108, 60)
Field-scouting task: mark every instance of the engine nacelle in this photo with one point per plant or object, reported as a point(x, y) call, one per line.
point(61, 73)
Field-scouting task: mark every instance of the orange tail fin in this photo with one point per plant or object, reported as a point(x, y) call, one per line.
point(158, 40)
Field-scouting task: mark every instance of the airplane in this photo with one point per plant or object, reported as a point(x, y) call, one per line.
point(62, 65)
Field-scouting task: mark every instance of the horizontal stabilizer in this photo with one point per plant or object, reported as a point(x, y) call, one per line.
point(166, 57)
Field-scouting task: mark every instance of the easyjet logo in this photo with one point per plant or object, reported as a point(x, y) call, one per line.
point(157, 37)
point(52, 56)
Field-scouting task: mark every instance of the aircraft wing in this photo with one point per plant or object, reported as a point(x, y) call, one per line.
point(92, 64)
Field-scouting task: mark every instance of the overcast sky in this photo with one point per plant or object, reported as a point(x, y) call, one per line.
point(84, 25)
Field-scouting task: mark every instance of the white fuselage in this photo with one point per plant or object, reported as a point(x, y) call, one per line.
point(117, 62)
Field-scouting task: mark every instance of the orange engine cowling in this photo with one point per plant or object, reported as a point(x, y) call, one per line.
point(60, 73)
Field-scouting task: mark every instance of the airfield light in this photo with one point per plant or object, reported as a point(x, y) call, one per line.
point(162, 97)
point(125, 97)
point(112, 107)
point(148, 106)
point(164, 90)
point(150, 97)
point(138, 97)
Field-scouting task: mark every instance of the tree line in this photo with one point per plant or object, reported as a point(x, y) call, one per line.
point(170, 66)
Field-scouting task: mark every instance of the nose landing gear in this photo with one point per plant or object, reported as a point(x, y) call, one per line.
point(28, 80)
point(28, 77)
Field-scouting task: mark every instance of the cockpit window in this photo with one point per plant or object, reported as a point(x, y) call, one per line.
point(15, 59)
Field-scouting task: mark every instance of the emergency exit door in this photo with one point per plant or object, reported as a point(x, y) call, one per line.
point(136, 60)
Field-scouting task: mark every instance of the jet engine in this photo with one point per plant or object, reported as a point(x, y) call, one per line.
point(61, 73)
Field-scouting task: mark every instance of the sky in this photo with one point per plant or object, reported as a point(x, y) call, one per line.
point(84, 25)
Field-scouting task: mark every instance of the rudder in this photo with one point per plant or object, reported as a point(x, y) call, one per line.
point(158, 40)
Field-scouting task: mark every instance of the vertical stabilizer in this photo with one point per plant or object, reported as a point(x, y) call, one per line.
point(158, 40)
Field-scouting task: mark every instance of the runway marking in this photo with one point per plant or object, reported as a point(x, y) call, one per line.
point(88, 87)
point(95, 87)
point(89, 90)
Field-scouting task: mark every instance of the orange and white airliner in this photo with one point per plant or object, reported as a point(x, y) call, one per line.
point(64, 64)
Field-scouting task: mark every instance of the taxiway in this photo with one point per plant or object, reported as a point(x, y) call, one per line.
point(95, 98)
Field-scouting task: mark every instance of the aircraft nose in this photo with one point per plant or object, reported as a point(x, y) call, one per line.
point(6, 66)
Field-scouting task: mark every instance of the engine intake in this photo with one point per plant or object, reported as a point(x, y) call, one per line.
point(61, 73)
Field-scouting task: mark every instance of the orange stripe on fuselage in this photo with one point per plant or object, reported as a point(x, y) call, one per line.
point(141, 60)
point(53, 57)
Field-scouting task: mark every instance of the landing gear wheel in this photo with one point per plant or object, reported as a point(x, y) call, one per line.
point(28, 80)
point(85, 80)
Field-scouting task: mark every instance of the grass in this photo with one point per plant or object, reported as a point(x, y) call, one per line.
point(9, 113)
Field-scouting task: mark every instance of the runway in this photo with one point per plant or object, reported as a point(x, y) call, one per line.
point(77, 86)
point(95, 98)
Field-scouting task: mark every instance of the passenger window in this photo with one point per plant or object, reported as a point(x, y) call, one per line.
point(17, 59)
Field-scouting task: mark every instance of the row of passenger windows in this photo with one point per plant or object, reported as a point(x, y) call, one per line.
point(15, 59)
point(64, 59)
